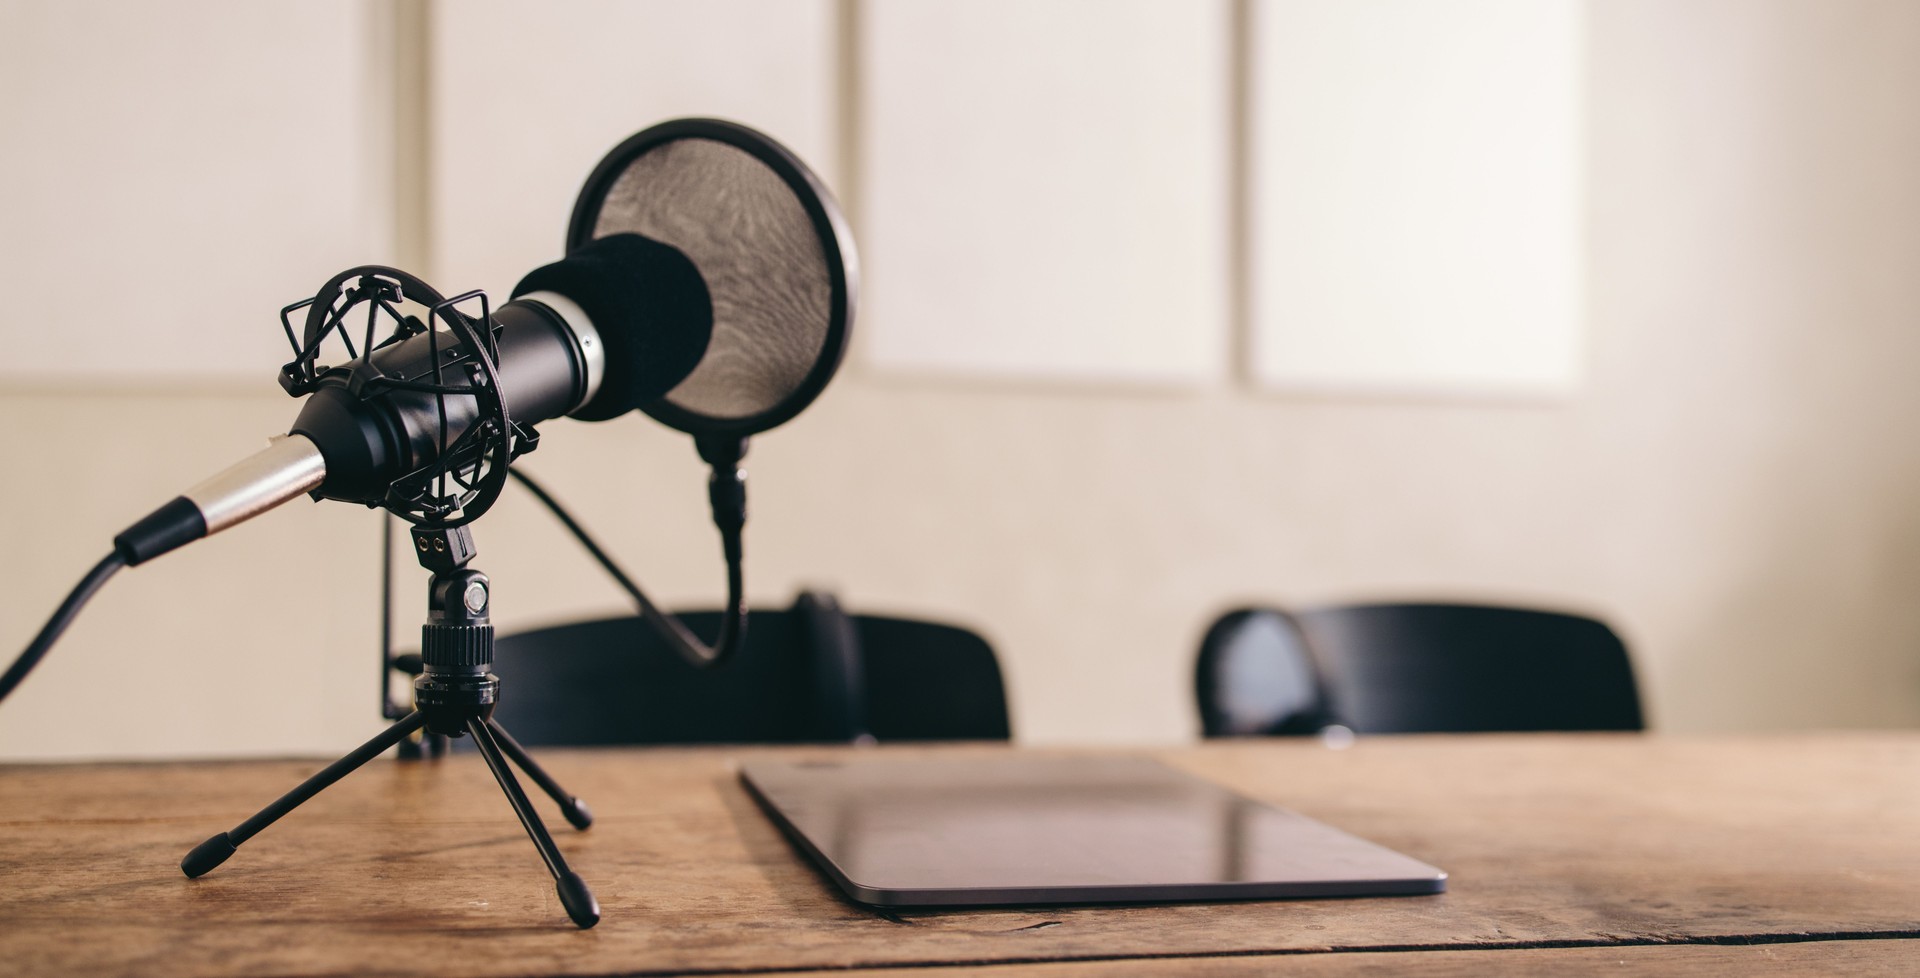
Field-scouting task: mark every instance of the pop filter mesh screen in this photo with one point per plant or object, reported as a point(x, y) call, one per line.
point(752, 240)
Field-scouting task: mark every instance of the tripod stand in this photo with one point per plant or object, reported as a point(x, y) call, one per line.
point(454, 695)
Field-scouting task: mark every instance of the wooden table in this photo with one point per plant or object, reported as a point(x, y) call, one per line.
point(1570, 854)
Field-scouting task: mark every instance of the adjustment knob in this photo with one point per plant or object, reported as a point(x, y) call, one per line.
point(456, 646)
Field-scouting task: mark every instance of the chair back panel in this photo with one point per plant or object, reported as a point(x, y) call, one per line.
point(927, 681)
point(1415, 668)
point(613, 681)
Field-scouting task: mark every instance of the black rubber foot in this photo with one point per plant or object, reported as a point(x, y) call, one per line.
point(578, 900)
point(577, 813)
point(207, 855)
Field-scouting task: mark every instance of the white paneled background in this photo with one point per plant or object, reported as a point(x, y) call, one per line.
point(1170, 305)
point(174, 173)
point(1046, 189)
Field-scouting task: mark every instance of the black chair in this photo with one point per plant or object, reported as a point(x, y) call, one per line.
point(808, 674)
point(1432, 668)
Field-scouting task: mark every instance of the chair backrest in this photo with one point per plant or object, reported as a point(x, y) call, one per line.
point(1255, 677)
point(1415, 668)
point(800, 676)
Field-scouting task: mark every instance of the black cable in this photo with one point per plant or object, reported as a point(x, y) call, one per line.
point(62, 617)
point(677, 636)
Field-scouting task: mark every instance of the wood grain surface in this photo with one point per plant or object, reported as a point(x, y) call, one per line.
point(1861, 959)
point(1578, 848)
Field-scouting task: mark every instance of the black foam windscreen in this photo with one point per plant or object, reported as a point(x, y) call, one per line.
point(772, 247)
point(650, 307)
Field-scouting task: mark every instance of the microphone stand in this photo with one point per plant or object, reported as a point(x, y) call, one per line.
point(454, 696)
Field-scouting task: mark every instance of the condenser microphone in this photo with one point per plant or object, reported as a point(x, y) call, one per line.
point(709, 281)
point(593, 336)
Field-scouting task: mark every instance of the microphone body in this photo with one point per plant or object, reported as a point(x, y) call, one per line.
point(545, 370)
point(346, 447)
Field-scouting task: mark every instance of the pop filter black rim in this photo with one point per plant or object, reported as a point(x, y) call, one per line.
point(829, 226)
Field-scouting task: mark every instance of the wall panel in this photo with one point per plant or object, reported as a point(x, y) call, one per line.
point(1417, 190)
point(1044, 188)
point(173, 174)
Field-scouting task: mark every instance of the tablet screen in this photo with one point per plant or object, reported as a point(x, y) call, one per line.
point(1013, 830)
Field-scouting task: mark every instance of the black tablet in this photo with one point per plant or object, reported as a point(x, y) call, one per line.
point(1016, 830)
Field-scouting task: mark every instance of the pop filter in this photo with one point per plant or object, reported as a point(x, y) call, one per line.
point(772, 246)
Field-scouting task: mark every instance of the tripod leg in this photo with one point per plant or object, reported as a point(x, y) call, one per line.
point(574, 895)
point(573, 808)
point(215, 851)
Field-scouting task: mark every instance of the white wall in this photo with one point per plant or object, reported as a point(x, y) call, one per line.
point(1734, 484)
point(175, 170)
